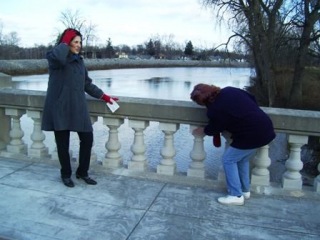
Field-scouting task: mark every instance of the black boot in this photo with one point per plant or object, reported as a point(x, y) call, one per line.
point(67, 181)
point(88, 180)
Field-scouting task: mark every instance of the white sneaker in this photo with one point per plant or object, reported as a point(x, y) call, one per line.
point(231, 200)
point(246, 195)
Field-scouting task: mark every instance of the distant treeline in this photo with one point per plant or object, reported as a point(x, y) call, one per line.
point(151, 49)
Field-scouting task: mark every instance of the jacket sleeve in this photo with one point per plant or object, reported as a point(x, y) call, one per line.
point(217, 123)
point(57, 57)
point(91, 88)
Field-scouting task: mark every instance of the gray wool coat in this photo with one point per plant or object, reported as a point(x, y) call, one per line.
point(65, 105)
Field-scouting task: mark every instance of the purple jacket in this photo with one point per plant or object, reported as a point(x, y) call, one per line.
point(236, 111)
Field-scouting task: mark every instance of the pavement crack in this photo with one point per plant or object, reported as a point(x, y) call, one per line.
point(146, 211)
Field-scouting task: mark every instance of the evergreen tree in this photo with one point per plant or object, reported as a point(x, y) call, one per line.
point(151, 48)
point(109, 49)
point(188, 51)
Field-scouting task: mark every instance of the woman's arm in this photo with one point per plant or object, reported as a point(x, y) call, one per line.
point(57, 57)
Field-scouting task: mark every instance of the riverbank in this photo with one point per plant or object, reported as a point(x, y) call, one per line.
point(40, 66)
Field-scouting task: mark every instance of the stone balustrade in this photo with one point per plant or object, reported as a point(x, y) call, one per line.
point(297, 125)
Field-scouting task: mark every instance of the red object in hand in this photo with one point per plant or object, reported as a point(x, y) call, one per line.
point(107, 98)
point(217, 140)
point(68, 36)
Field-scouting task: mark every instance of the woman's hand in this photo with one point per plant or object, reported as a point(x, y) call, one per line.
point(109, 99)
point(198, 131)
point(227, 136)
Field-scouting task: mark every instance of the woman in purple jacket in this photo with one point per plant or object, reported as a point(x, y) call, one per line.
point(235, 111)
point(65, 107)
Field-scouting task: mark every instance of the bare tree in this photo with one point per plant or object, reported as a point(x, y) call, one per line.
point(89, 33)
point(12, 39)
point(70, 19)
point(307, 16)
point(270, 28)
point(1, 32)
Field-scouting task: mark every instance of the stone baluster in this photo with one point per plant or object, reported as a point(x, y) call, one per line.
point(4, 129)
point(221, 174)
point(37, 148)
point(54, 153)
point(16, 145)
point(167, 165)
point(292, 178)
point(316, 184)
point(93, 157)
point(139, 160)
point(260, 173)
point(113, 158)
point(197, 155)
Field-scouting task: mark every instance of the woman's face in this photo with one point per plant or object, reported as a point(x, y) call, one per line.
point(75, 45)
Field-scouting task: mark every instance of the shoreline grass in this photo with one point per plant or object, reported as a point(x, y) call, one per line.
point(40, 66)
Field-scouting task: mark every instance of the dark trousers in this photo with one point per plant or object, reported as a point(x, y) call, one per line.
point(62, 141)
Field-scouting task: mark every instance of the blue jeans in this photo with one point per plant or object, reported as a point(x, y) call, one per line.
point(236, 167)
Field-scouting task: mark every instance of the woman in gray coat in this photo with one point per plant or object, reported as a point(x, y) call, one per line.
point(65, 107)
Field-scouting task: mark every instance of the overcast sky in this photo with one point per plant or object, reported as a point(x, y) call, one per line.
point(128, 22)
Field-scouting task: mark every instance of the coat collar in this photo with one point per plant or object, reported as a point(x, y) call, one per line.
point(75, 57)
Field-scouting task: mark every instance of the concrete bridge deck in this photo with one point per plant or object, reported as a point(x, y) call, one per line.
point(34, 204)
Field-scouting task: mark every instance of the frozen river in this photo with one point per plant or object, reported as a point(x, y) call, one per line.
point(162, 83)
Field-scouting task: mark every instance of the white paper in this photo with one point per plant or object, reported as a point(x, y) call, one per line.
point(114, 106)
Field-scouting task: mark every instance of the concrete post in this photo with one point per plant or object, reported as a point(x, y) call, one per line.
point(113, 158)
point(93, 157)
point(4, 129)
point(221, 174)
point(292, 178)
point(37, 148)
point(260, 172)
point(197, 155)
point(16, 145)
point(168, 165)
point(139, 160)
point(316, 184)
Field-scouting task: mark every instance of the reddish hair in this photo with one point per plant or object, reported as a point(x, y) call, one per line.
point(204, 94)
